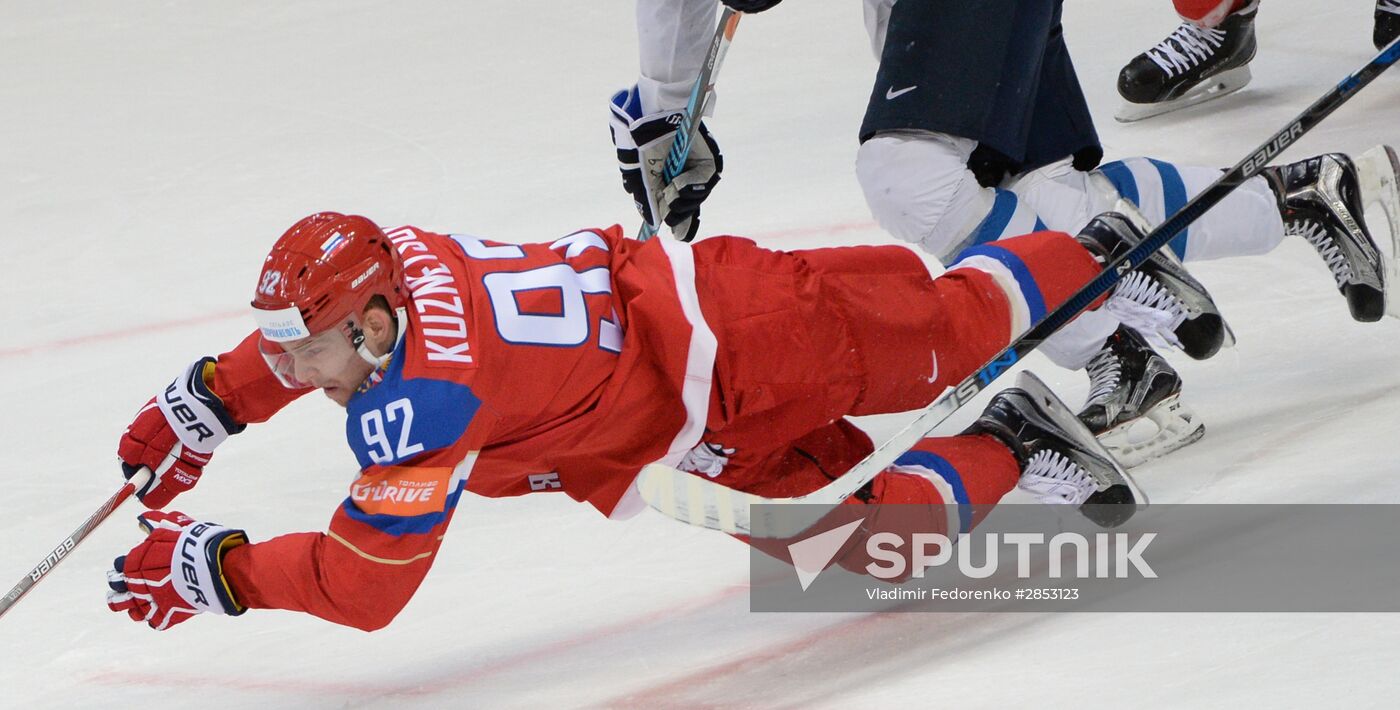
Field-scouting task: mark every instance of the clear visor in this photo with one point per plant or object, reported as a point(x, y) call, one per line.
point(296, 363)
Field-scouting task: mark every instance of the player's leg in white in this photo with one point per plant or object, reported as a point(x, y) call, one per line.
point(1134, 404)
point(919, 189)
point(1319, 199)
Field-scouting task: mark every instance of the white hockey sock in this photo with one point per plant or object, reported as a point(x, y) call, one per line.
point(1245, 223)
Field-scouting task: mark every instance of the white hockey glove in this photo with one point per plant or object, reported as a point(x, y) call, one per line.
point(643, 142)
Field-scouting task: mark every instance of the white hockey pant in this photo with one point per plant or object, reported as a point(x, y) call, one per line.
point(919, 189)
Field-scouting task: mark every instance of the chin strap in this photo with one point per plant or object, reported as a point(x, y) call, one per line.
point(379, 361)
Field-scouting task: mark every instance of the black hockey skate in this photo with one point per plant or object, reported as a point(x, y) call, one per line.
point(1192, 65)
point(1387, 23)
point(1160, 297)
point(1061, 461)
point(1320, 200)
point(1134, 405)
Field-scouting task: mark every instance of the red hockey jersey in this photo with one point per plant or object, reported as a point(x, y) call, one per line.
point(510, 377)
point(569, 366)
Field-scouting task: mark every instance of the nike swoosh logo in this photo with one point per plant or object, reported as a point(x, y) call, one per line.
point(892, 94)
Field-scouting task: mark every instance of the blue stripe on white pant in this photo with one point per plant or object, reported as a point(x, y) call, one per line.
point(1155, 187)
point(1009, 217)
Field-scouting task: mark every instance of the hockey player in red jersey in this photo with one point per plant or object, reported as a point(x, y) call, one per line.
point(504, 370)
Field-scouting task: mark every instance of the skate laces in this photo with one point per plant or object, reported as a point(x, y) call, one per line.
point(1186, 47)
point(1318, 235)
point(1391, 6)
point(1145, 305)
point(1105, 374)
point(1053, 477)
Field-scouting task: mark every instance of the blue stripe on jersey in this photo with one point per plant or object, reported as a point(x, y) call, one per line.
point(399, 419)
point(400, 525)
point(1123, 181)
point(1173, 199)
point(940, 467)
point(994, 224)
point(1039, 225)
point(1030, 290)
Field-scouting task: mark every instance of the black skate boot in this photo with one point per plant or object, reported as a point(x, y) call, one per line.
point(1061, 461)
point(1134, 405)
point(1193, 64)
point(1160, 296)
point(1387, 22)
point(1320, 200)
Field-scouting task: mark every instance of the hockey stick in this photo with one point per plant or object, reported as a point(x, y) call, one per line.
point(700, 501)
point(700, 95)
point(64, 548)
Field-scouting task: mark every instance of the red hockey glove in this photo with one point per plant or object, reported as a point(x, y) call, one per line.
point(174, 435)
point(176, 573)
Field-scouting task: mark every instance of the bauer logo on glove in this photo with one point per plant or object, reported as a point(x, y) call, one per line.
point(175, 573)
point(174, 435)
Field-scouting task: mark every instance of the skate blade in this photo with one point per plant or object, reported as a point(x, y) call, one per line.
point(1222, 84)
point(1067, 419)
point(1379, 172)
point(1165, 428)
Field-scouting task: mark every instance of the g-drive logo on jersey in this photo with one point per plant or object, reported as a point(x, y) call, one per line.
point(401, 490)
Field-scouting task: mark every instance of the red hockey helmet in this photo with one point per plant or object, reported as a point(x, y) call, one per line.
point(321, 274)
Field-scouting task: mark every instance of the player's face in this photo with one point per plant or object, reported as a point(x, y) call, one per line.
point(329, 362)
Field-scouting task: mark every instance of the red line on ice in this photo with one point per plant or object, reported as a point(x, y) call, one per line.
point(445, 681)
point(671, 693)
point(128, 332)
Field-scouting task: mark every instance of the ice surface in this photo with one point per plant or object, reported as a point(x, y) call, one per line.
point(150, 152)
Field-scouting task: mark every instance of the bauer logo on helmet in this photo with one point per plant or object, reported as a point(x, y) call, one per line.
point(361, 278)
